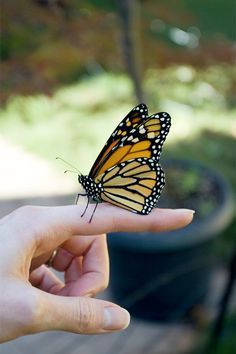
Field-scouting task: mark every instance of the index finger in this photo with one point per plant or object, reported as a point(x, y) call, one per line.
point(56, 224)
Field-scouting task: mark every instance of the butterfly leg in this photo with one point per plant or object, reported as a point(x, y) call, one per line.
point(85, 207)
point(77, 199)
point(93, 212)
point(79, 195)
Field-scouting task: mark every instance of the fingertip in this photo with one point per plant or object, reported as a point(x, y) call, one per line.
point(185, 215)
point(169, 219)
point(115, 318)
point(188, 212)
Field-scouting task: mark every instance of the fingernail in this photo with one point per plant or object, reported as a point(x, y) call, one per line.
point(185, 210)
point(115, 318)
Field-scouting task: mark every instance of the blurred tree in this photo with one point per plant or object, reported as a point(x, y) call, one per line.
point(45, 43)
point(129, 14)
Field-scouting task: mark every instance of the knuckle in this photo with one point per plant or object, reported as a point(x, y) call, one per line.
point(100, 281)
point(115, 225)
point(85, 316)
point(104, 283)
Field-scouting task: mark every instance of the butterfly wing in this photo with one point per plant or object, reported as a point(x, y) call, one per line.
point(154, 129)
point(134, 185)
point(131, 120)
point(144, 140)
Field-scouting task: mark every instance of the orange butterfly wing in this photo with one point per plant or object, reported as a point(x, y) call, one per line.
point(131, 120)
point(145, 139)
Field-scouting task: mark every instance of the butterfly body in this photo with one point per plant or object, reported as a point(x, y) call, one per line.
point(127, 172)
point(93, 189)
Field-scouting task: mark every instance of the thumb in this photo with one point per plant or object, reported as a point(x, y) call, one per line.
point(82, 315)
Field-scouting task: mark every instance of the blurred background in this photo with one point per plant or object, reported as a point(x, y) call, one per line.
point(72, 69)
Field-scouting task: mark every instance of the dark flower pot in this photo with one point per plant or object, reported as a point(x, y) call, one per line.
point(161, 276)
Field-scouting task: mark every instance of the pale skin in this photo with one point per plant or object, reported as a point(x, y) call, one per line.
point(33, 299)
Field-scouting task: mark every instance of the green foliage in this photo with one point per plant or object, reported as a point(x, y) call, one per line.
point(226, 344)
point(217, 17)
point(104, 4)
point(214, 88)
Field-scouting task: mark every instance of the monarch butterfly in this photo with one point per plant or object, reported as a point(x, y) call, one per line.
point(127, 172)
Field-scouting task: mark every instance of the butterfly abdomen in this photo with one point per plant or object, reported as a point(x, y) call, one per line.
point(93, 189)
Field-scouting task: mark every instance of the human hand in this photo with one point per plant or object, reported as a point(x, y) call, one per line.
point(33, 299)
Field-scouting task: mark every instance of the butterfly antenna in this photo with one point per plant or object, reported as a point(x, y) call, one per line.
point(69, 164)
point(72, 171)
